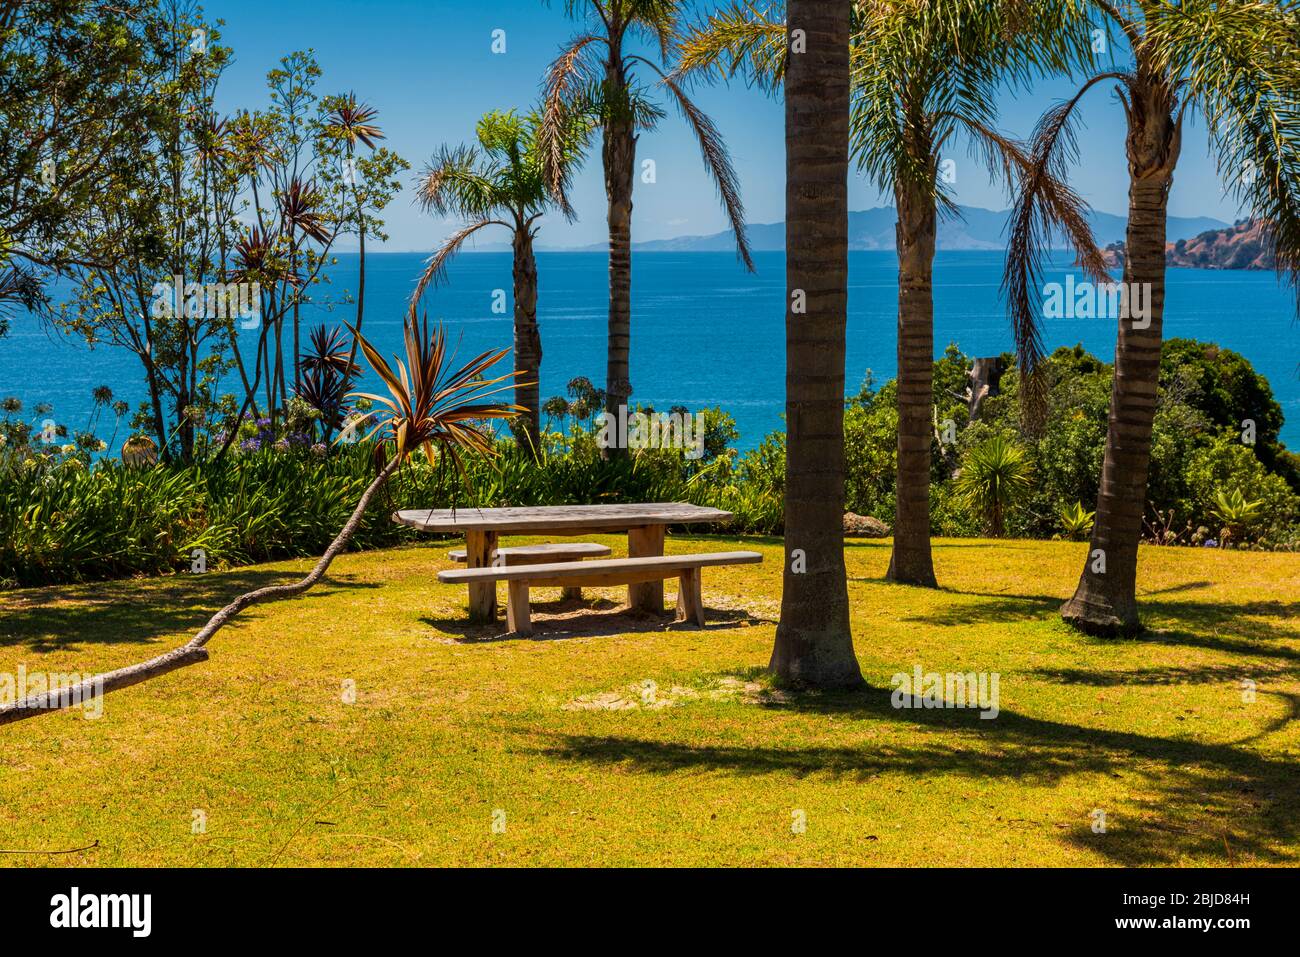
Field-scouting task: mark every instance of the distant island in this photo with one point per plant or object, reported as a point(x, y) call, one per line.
point(1243, 245)
point(873, 229)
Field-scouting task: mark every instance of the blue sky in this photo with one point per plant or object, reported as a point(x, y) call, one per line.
point(428, 66)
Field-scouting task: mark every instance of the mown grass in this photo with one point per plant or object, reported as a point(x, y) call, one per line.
point(451, 723)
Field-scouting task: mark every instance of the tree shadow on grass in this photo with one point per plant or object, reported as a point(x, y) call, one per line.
point(1236, 619)
point(1252, 644)
point(53, 619)
point(1207, 796)
point(995, 609)
point(570, 618)
point(1185, 586)
point(1148, 677)
point(1223, 626)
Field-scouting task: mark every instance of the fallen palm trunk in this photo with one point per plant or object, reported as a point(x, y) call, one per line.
point(193, 651)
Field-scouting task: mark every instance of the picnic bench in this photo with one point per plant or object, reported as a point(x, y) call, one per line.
point(615, 571)
point(539, 554)
point(482, 528)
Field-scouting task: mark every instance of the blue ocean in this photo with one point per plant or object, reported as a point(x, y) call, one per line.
point(704, 331)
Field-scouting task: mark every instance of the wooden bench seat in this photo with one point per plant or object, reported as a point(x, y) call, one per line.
point(598, 574)
point(540, 554)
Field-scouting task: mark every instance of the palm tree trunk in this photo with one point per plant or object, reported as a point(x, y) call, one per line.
point(619, 154)
point(1105, 601)
point(528, 343)
point(814, 640)
point(193, 651)
point(911, 562)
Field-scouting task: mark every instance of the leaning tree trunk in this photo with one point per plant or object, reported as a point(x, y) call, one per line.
point(193, 651)
point(528, 344)
point(911, 562)
point(1105, 601)
point(814, 639)
point(619, 155)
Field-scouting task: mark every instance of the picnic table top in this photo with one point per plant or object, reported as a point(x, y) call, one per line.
point(558, 518)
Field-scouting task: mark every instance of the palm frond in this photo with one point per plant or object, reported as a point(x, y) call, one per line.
point(20, 287)
point(738, 39)
point(1239, 62)
point(300, 207)
point(654, 20)
point(565, 78)
point(717, 160)
point(1043, 208)
point(435, 267)
point(453, 181)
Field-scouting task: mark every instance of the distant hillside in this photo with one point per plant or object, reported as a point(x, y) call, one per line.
point(874, 229)
point(1243, 245)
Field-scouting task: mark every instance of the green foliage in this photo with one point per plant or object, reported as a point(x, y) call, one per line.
point(1228, 392)
point(65, 517)
point(1237, 513)
point(72, 116)
point(995, 476)
point(1076, 521)
point(62, 521)
point(1197, 449)
point(1224, 466)
point(871, 452)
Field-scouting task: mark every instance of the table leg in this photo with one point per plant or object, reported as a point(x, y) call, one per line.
point(690, 600)
point(479, 546)
point(643, 542)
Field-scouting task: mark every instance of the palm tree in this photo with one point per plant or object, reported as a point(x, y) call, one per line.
point(1234, 61)
point(431, 407)
point(922, 73)
point(499, 183)
point(814, 639)
point(595, 77)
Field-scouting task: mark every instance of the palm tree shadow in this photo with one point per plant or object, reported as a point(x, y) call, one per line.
point(53, 619)
point(1208, 793)
point(998, 608)
point(1235, 619)
point(1185, 586)
point(1228, 627)
point(1172, 675)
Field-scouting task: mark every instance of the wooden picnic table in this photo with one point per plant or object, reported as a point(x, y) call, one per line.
point(482, 527)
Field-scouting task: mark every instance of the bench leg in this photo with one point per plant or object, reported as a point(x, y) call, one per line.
point(517, 610)
point(479, 546)
point(690, 600)
point(644, 542)
point(573, 592)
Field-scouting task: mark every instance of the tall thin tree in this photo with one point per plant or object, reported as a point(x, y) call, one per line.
point(1235, 62)
point(923, 73)
point(499, 183)
point(595, 76)
point(814, 639)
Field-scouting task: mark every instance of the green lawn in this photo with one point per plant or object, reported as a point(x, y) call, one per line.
point(453, 724)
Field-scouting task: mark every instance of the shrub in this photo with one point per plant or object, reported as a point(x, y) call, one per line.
point(995, 476)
